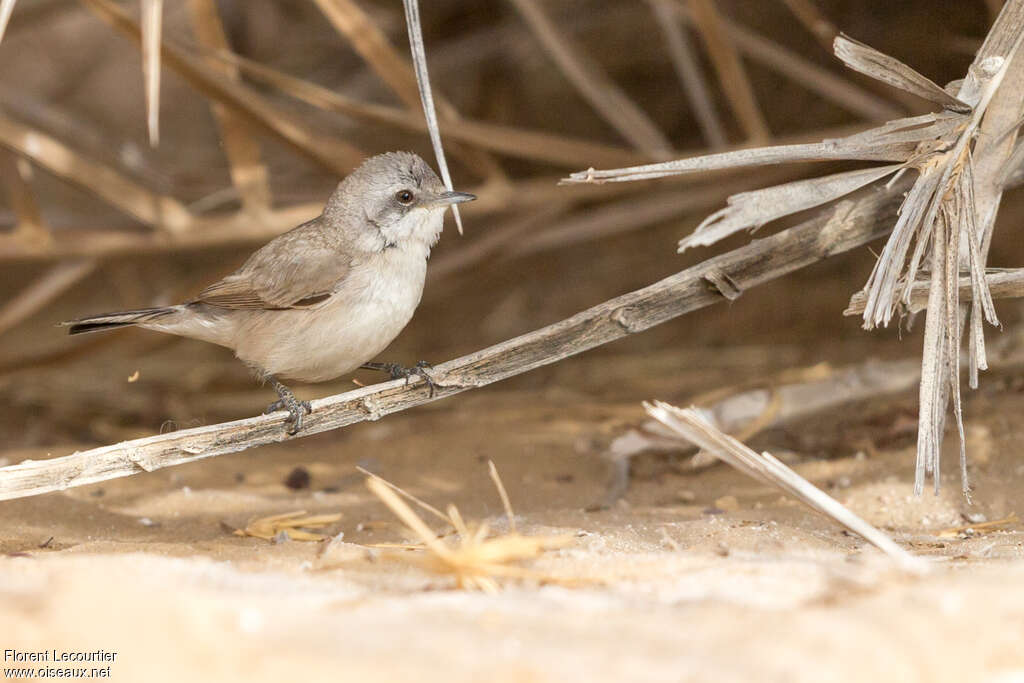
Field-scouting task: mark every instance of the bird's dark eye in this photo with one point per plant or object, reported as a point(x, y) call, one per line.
point(404, 196)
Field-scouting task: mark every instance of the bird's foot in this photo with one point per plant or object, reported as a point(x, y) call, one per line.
point(399, 372)
point(297, 410)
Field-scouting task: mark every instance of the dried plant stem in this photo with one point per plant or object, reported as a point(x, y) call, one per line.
point(331, 152)
point(248, 172)
point(495, 137)
point(808, 14)
point(152, 22)
point(593, 84)
point(731, 75)
point(831, 232)
point(370, 42)
point(1002, 284)
point(6, 8)
point(205, 232)
point(690, 425)
point(841, 91)
point(419, 62)
point(15, 175)
point(119, 191)
point(684, 60)
point(47, 287)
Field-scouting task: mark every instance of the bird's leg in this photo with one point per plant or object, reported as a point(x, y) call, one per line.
point(398, 372)
point(296, 408)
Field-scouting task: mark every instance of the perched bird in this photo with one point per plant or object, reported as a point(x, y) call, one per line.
point(325, 297)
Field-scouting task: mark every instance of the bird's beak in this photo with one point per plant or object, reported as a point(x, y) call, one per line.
point(447, 198)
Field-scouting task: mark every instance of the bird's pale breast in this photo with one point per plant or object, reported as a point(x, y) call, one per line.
point(374, 303)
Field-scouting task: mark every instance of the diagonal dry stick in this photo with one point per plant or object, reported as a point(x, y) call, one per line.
point(851, 224)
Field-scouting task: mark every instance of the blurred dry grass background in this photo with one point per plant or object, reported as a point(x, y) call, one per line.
point(533, 253)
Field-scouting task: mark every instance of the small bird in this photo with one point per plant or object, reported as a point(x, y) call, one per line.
point(327, 296)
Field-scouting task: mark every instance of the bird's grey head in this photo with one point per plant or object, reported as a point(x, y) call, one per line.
point(392, 200)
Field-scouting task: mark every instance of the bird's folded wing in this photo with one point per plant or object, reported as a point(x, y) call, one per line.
point(293, 271)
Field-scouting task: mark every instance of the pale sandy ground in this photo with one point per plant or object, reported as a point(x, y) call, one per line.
point(703, 576)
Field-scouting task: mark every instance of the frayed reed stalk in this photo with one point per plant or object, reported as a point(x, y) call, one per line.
point(956, 161)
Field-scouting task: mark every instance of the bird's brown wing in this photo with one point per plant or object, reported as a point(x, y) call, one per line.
point(296, 270)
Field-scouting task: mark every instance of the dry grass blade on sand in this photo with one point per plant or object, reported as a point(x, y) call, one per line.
point(478, 560)
point(293, 525)
point(689, 424)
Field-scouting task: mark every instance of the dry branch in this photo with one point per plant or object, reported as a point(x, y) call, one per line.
point(206, 232)
point(962, 156)
point(853, 224)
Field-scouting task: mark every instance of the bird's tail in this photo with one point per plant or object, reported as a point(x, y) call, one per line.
point(108, 321)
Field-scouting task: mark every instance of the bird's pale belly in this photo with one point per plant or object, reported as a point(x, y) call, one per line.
point(348, 330)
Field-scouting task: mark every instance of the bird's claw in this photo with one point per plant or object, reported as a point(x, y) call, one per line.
point(297, 410)
point(399, 372)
